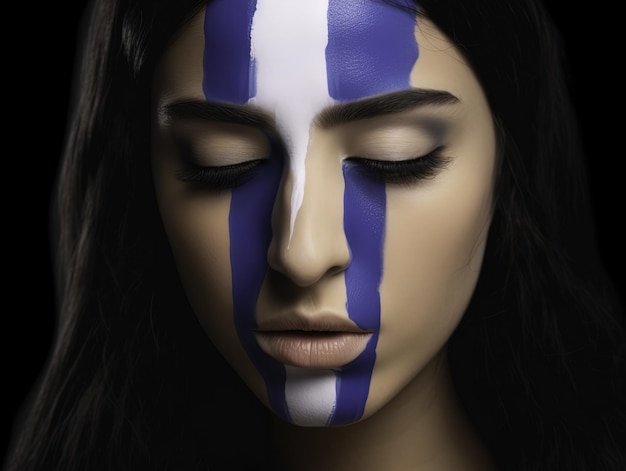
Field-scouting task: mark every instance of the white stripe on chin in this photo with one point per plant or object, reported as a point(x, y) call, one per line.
point(310, 395)
point(288, 43)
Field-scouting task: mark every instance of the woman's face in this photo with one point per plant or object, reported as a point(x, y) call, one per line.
point(324, 171)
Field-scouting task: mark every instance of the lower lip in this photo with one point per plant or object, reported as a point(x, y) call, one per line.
point(313, 349)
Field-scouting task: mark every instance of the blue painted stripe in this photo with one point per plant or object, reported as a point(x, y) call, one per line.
point(364, 225)
point(250, 236)
point(229, 71)
point(371, 48)
point(229, 76)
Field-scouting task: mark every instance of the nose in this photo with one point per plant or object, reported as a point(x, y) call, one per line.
point(309, 241)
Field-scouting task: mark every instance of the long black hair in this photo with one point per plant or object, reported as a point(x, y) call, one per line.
point(132, 381)
point(538, 358)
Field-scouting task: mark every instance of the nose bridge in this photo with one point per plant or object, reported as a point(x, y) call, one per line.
point(309, 240)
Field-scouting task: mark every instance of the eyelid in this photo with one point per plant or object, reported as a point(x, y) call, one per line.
point(221, 144)
point(393, 142)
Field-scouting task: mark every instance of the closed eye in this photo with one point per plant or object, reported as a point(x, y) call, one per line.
point(405, 172)
point(220, 178)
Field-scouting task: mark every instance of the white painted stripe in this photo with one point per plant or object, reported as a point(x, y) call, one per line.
point(288, 41)
point(311, 395)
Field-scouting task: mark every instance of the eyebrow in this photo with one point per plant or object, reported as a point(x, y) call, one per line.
point(395, 102)
point(215, 111)
point(390, 103)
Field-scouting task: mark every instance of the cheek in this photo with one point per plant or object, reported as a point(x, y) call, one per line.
point(433, 252)
point(434, 245)
point(198, 235)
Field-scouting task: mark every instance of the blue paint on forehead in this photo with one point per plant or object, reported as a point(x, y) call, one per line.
point(371, 48)
point(228, 66)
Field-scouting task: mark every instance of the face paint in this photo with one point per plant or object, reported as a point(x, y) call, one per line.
point(364, 223)
point(228, 66)
point(294, 58)
point(291, 79)
point(251, 213)
point(371, 48)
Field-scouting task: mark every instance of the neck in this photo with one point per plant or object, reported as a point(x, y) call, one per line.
point(423, 428)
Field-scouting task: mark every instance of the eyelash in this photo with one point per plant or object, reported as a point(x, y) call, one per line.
point(222, 178)
point(405, 172)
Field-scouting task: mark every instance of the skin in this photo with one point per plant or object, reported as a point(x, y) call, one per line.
point(435, 235)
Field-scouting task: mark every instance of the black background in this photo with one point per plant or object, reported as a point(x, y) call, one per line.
point(37, 72)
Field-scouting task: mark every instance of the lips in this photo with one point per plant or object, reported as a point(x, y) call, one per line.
point(319, 341)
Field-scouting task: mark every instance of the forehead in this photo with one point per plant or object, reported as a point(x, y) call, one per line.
point(218, 62)
point(351, 48)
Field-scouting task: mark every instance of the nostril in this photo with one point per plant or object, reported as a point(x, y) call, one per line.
point(305, 264)
point(336, 270)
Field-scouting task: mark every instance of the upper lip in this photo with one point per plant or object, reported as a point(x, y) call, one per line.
point(318, 322)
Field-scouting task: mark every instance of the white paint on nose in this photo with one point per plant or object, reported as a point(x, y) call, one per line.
point(288, 43)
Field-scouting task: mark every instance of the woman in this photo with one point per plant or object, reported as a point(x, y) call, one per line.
point(355, 241)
